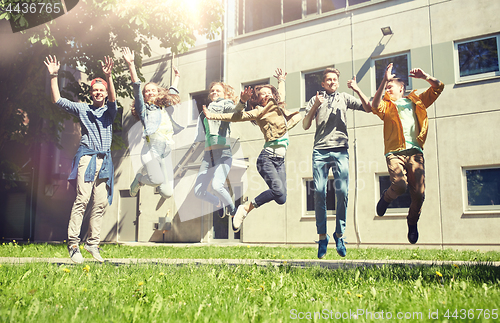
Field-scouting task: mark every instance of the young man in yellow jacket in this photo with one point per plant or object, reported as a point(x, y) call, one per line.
point(405, 131)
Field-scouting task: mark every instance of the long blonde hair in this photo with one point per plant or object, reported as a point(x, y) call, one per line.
point(163, 99)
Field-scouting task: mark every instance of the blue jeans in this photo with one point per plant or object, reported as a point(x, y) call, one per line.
point(272, 170)
point(338, 160)
point(215, 167)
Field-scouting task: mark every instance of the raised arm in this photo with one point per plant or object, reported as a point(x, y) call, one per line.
point(418, 73)
point(388, 76)
point(237, 116)
point(307, 121)
point(280, 76)
point(353, 85)
point(128, 56)
point(53, 67)
point(107, 68)
point(177, 76)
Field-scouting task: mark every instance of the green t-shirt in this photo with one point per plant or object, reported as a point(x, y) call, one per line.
point(211, 140)
point(409, 122)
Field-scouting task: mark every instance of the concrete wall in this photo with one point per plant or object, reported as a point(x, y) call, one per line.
point(463, 124)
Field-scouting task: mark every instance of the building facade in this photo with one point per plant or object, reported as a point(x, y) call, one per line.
point(457, 41)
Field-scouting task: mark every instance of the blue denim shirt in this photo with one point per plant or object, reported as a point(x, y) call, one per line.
point(150, 114)
point(106, 171)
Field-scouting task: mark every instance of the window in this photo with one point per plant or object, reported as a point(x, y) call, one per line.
point(401, 67)
point(329, 5)
point(477, 58)
point(252, 15)
point(330, 196)
point(312, 84)
point(197, 102)
point(292, 10)
point(253, 84)
point(483, 189)
point(259, 14)
point(402, 202)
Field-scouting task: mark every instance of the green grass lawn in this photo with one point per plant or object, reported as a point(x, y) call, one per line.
point(47, 292)
point(44, 250)
point(93, 292)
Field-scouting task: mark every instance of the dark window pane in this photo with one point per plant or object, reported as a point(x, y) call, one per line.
point(198, 101)
point(403, 201)
point(477, 57)
point(292, 10)
point(313, 83)
point(261, 14)
point(400, 68)
point(330, 195)
point(354, 2)
point(483, 186)
point(312, 7)
point(329, 5)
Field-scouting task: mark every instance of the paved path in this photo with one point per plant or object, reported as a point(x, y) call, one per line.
point(302, 263)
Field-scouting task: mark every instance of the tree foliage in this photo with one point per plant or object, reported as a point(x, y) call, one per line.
point(80, 39)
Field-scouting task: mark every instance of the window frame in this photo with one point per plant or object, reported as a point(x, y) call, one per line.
point(373, 73)
point(303, 96)
point(311, 215)
point(478, 77)
point(476, 209)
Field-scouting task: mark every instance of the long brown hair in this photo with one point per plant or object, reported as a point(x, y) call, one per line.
point(163, 99)
point(254, 100)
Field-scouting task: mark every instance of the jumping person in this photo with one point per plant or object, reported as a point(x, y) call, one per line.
point(267, 110)
point(217, 158)
point(154, 107)
point(92, 167)
point(405, 130)
point(329, 109)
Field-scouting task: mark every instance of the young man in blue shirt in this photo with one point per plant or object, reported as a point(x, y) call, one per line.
point(92, 168)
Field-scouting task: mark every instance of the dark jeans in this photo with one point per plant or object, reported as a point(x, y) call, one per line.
point(272, 169)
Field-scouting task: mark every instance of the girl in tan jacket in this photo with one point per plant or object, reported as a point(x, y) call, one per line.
point(266, 109)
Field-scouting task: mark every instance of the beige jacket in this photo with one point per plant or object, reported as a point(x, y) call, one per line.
point(273, 120)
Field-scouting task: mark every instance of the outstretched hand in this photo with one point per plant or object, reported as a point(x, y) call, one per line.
point(176, 71)
point(418, 73)
point(206, 112)
point(128, 55)
point(52, 64)
point(107, 66)
point(246, 94)
point(388, 76)
point(352, 84)
point(279, 75)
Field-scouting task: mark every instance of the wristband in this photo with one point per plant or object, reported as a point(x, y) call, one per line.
point(55, 74)
point(427, 77)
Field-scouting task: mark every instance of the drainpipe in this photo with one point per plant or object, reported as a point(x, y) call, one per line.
point(355, 217)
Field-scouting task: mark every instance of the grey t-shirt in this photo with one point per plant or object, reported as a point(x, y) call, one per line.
point(331, 125)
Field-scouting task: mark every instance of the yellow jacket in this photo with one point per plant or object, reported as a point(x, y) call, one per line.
point(394, 139)
point(270, 119)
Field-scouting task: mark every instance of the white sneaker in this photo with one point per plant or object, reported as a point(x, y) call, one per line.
point(75, 254)
point(238, 218)
point(136, 185)
point(94, 251)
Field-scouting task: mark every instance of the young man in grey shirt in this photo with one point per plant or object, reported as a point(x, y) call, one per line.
point(329, 109)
